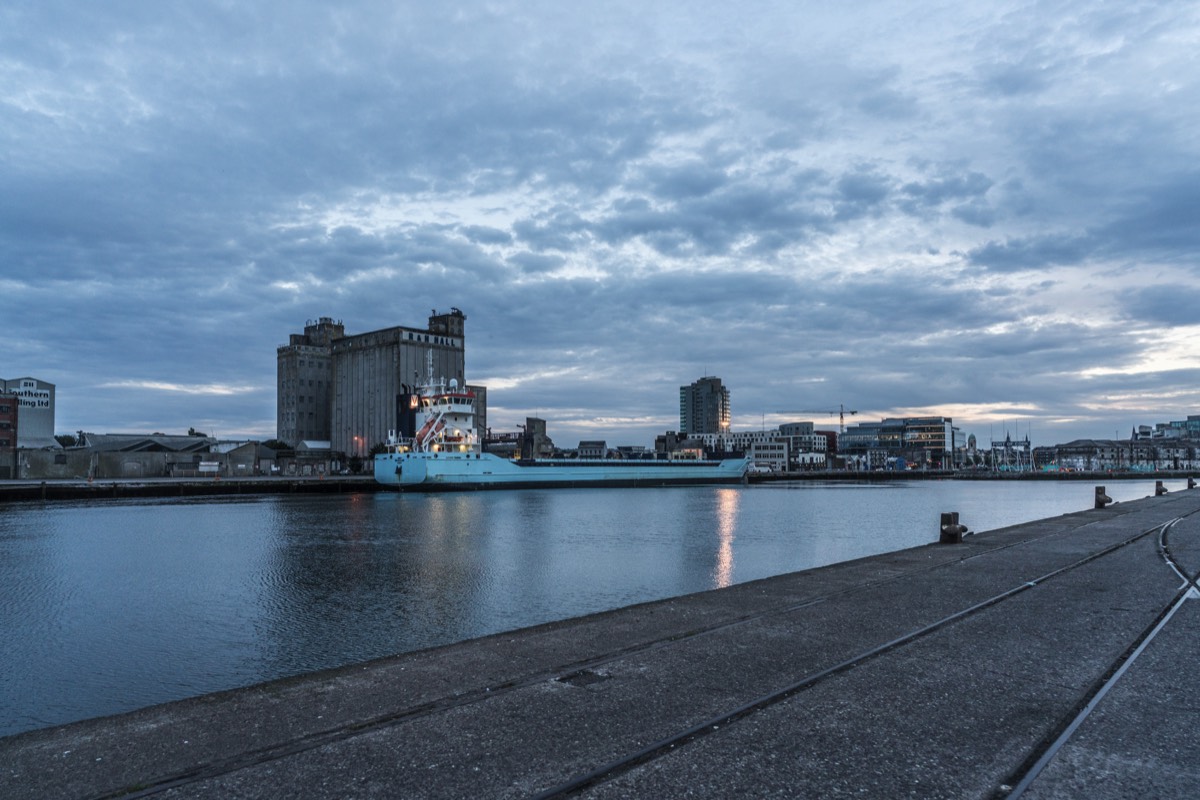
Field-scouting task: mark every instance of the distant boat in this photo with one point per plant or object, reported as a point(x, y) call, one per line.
point(445, 454)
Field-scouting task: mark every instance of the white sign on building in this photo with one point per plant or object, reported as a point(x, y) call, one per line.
point(35, 418)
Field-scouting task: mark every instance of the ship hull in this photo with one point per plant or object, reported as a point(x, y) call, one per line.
point(449, 471)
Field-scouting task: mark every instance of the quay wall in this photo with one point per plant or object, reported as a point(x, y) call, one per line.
point(181, 487)
point(963, 475)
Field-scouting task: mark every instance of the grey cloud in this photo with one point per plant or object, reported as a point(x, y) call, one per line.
point(888, 104)
point(1163, 220)
point(559, 229)
point(695, 179)
point(714, 222)
point(1013, 79)
point(1170, 304)
point(948, 186)
point(1031, 254)
point(532, 262)
point(861, 192)
point(483, 234)
point(975, 213)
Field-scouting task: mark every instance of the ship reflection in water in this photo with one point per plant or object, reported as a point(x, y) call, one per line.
point(111, 606)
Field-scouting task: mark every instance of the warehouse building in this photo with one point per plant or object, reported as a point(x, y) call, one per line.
point(35, 400)
point(350, 391)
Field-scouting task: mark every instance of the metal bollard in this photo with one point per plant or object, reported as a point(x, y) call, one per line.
point(1102, 499)
point(952, 532)
point(1191, 483)
point(1159, 489)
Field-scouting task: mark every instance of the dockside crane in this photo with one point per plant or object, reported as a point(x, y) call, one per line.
point(841, 411)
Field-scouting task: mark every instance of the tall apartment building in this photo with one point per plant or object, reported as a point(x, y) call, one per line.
point(352, 390)
point(704, 407)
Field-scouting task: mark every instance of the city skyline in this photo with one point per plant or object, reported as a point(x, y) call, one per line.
point(906, 209)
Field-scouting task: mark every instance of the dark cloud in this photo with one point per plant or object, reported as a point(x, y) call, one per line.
point(1162, 305)
point(695, 179)
point(947, 186)
point(1031, 254)
point(483, 234)
point(860, 193)
point(532, 262)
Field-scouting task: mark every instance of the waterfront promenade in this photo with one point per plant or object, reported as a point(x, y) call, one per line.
point(1051, 659)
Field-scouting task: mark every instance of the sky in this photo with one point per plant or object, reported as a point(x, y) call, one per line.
point(987, 211)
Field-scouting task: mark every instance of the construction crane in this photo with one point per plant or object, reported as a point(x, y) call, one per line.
point(841, 411)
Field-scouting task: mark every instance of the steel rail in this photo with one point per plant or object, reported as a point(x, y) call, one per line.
point(1041, 757)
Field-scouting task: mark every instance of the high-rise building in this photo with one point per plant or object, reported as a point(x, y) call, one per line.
point(349, 390)
point(704, 407)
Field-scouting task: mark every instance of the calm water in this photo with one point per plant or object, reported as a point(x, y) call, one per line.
point(112, 606)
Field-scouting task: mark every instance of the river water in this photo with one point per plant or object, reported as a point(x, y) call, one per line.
point(111, 606)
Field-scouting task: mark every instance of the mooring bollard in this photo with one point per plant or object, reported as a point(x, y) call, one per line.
point(1102, 499)
point(952, 532)
point(1159, 489)
point(1191, 483)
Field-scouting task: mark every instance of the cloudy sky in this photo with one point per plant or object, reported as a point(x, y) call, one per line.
point(989, 211)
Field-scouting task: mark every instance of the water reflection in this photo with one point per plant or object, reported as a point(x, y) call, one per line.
point(727, 511)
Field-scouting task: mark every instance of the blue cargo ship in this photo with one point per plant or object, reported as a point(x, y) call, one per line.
point(445, 453)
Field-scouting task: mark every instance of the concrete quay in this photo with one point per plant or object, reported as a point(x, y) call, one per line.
point(126, 488)
point(1053, 659)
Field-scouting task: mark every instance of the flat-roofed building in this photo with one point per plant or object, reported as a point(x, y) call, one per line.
point(9, 410)
point(920, 440)
point(36, 400)
point(351, 390)
point(304, 382)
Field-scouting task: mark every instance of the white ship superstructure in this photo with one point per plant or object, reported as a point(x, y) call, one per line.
point(445, 453)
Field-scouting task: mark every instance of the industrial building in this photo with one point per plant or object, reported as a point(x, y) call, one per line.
point(350, 391)
point(35, 400)
point(704, 407)
point(9, 408)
